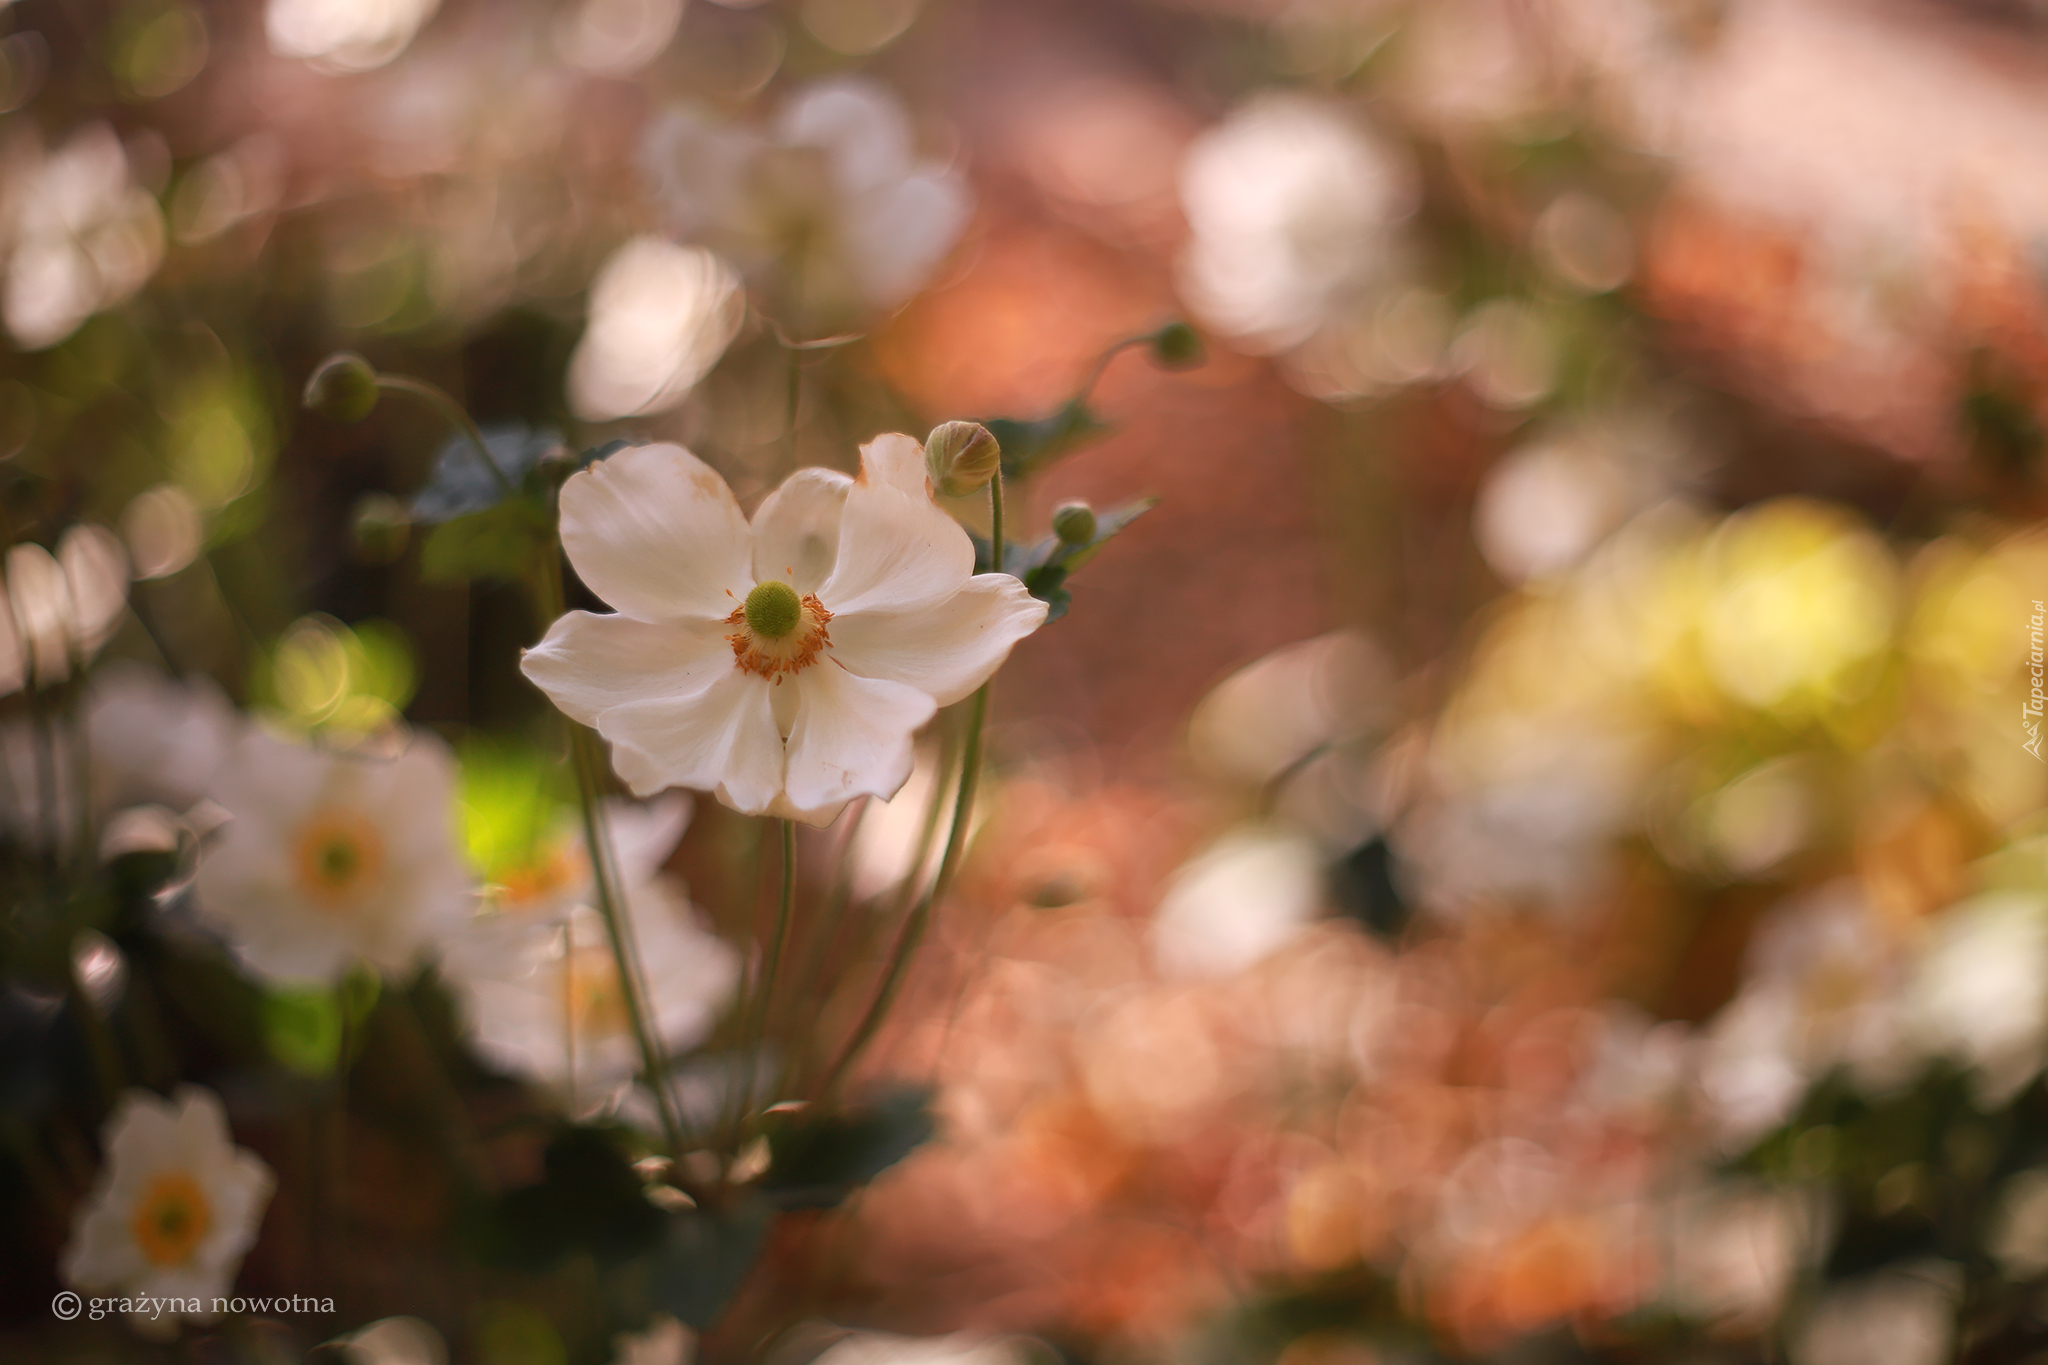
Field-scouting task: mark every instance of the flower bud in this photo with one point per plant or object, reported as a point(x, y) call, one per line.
point(343, 388)
point(961, 457)
point(1177, 346)
point(1074, 523)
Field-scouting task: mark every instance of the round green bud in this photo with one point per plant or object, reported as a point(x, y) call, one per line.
point(773, 609)
point(1074, 523)
point(343, 388)
point(961, 457)
point(1177, 346)
point(379, 525)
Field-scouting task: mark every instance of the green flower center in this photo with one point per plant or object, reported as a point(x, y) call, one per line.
point(773, 610)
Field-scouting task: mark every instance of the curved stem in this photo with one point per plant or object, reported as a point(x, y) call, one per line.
point(914, 926)
point(771, 965)
point(456, 416)
point(632, 987)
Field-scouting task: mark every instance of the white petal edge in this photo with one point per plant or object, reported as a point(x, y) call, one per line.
point(944, 651)
point(723, 740)
point(655, 532)
point(897, 550)
point(852, 737)
point(796, 531)
point(589, 663)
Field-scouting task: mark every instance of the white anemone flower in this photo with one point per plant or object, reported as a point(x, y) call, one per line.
point(333, 857)
point(783, 665)
point(832, 190)
point(660, 317)
point(85, 236)
point(175, 1208)
point(535, 967)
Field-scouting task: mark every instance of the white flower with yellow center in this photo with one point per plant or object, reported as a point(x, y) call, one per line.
point(783, 665)
point(333, 857)
point(176, 1206)
point(535, 970)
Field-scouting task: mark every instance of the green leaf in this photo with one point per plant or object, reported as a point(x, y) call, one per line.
point(816, 1160)
point(303, 1029)
point(590, 1200)
point(705, 1257)
point(500, 542)
point(1030, 446)
point(461, 485)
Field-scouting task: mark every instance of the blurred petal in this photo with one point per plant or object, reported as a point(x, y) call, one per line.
point(96, 571)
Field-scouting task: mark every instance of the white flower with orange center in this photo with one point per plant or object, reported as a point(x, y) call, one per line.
point(333, 857)
point(176, 1206)
point(783, 664)
point(535, 972)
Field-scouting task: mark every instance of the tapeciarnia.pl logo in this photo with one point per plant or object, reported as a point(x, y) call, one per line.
point(2030, 713)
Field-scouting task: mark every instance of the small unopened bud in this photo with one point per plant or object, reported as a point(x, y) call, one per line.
point(1074, 523)
point(1177, 346)
point(343, 388)
point(961, 457)
point(380, 527)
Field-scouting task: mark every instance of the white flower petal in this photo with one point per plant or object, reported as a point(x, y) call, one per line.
point(796, 531)
point(897, 233)
point(897, 551)
point(945, 651)
point(589, 663)
point(860, 126)
point(852, 737)
point(654, 531)
point(723, 739)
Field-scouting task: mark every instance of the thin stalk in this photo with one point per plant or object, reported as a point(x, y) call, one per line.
point(770, 966)
point(455, 415)
point(956, 841)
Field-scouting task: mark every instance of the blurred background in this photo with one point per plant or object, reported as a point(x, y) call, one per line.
point(1530, 851)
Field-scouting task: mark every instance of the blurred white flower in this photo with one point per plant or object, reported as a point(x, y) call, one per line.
point(660, 317)
point(1238, 901)
point(1979, 992)
point(333, 857)
point(59, 609)
point(883, 1348)
point(394, 1341)
point(344, 35)
point(1822, 989)
point(784, 665)
point(617, 37)
point(1734, 1249)
point(84, 237)
point(174, 1209)
point(1277, 710)
point(2018, 1235)
point(832, 192)
point(1896, 1317)
point(664, 1341)
point(536, 971)
point(1292, 205)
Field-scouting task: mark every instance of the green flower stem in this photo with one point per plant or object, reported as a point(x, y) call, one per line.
point(771, 965)
point(919, 919)
point(456, 416)
point(632, 986)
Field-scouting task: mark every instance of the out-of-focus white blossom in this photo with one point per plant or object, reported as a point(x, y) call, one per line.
point(394, 1341)
point(344, 35)
point(536, 971)
point(883, 1348)
point(664, 1341)
point(1822, 989)
point(1292, 204)
point(1734, 1250)
point(1979, 992)
point(175, 1207)
point(1895, 1317)
point(617, 37)
point(83, 236)
point(1241, 899)
point(832, 193)
point(1277, 710)
point(660, 317)
point(333, 857)
point(60, 608)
